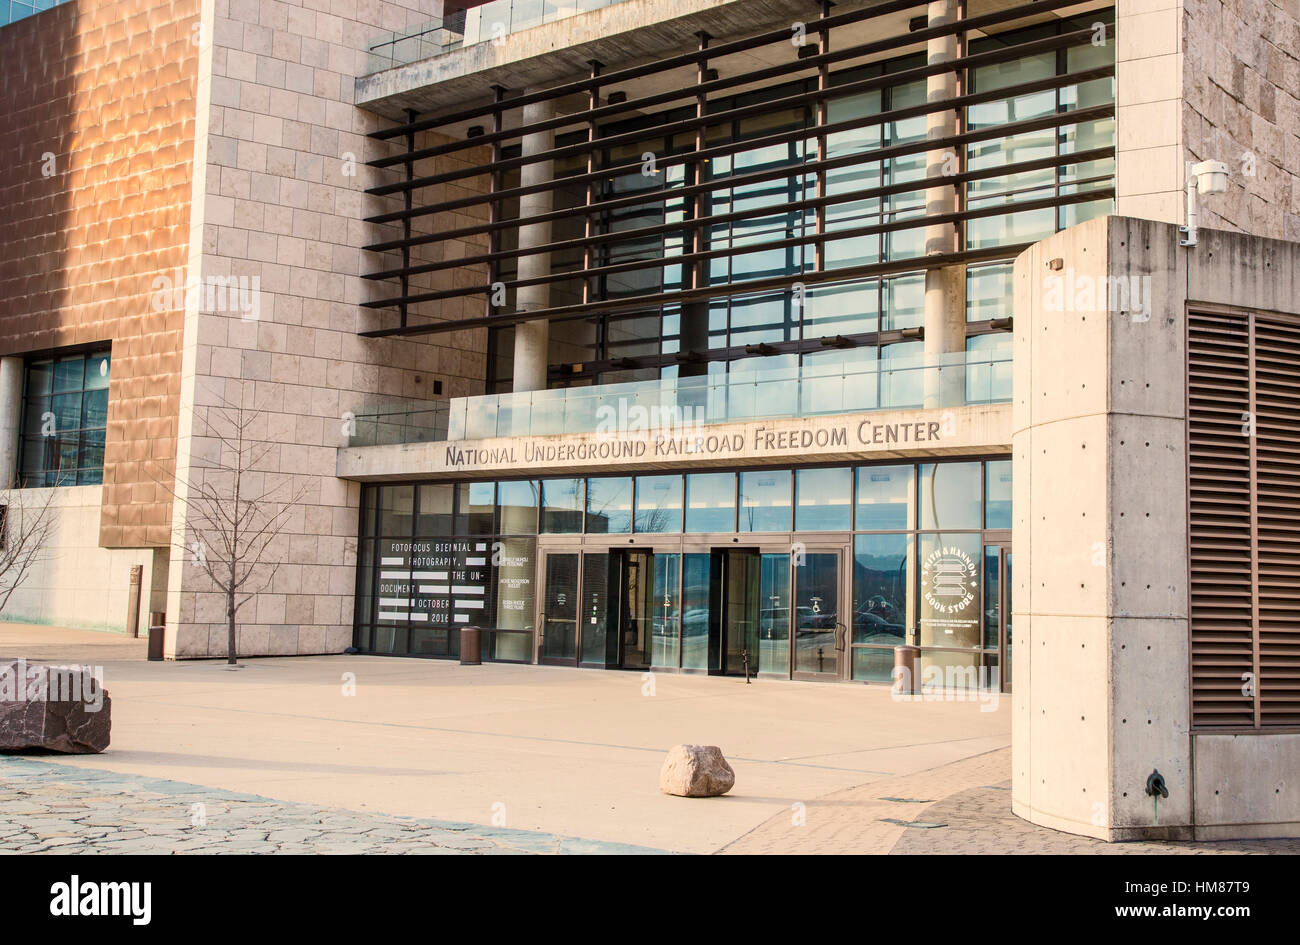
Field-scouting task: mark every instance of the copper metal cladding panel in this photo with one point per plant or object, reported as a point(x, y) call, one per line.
point(96, 143)
point(1244, 487)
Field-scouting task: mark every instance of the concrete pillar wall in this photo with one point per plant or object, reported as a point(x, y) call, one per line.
point(945, 289)
point(1101, 679)
point(1060, 716)
point(11, 418)
point(1100, 600)
point(532, 339)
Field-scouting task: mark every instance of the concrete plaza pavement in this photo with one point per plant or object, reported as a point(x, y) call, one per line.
point(567, 752)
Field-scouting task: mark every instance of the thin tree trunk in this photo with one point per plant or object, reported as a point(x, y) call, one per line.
point(230, 614)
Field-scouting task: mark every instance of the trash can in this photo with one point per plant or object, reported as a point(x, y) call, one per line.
point(469, 646)
point(156, 632)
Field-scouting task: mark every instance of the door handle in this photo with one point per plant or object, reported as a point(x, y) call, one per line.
point(541, 626)
point(840, 633)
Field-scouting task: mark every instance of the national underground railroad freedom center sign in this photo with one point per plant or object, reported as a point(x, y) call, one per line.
point(947, 431)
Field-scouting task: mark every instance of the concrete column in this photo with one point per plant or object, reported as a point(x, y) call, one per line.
point(945, 289)
point(532, 338)
point(11, 418)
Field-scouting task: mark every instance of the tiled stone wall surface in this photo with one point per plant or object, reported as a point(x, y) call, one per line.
point(1241, 105)
point(1210, 79)
point(279, 195)
point(1148, 108)
point(106, 87)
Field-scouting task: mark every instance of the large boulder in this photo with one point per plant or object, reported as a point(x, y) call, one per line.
point(58, 708)
point(696, 771)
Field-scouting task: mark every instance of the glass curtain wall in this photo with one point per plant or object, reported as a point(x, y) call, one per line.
point(434, 557)
point(858, 307)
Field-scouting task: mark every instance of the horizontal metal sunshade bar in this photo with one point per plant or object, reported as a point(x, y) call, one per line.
point(689, 199)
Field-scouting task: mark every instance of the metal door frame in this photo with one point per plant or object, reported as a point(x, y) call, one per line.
point(841, 544)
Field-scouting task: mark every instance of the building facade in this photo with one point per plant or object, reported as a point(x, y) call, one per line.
point(703, 336)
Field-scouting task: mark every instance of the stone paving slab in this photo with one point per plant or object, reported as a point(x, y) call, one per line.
point(979, 820)
point(868, 818)
point(60, 808)
point(963, 807)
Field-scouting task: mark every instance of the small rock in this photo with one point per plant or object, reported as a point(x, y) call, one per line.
point(696, 771)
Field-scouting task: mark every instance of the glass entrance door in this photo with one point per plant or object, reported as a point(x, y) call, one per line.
point(742, 610)
point(636, 618)
point(599, 619)
point(997, 617)
point(559, 618)
point(819, 633)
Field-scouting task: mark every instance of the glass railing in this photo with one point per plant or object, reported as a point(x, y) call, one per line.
point(668, 404)
point(482, 24)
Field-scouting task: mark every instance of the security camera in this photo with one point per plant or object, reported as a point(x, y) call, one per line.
point(1211, 177)
point(1207, 177)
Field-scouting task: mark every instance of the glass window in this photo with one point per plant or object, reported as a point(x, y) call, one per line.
point(561, 506)
point(515, 568)
point(396, 505)
point(765, 501)
point(609, 505)
point(988, 292)
point(475, 502)
point(711, 502)
point(64, 418)
point(886, 498)
point(882, 575)
point(950, 495)
point(997, 498)
point(435, 520)
point(368, 496)
point(823, 500)
point(518, 504)
point(873, 664)
point(905, 301)
point(69, 374)
point(659, 503)
point(950, 593)
point(366, 583)
point(97, 371)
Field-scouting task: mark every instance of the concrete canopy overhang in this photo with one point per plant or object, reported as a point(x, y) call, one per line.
point(620, 35)
point(875, 436)
point(628, 34)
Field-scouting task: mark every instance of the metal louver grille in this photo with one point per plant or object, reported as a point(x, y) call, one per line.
point(1277, 525)
point(1219, 487)
point(1243, 399)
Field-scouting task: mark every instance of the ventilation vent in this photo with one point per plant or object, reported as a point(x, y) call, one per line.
point(1243, 398)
